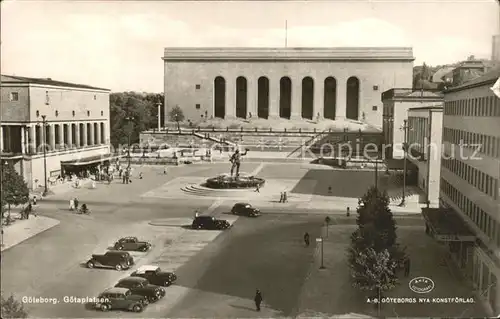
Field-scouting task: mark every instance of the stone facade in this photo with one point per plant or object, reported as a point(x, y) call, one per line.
point(288, 83)
point(71, 120)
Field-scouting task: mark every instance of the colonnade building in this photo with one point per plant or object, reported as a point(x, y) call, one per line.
point(283, 83)
point(70, 120)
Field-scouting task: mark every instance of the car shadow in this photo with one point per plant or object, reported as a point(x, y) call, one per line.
point(243, 307)
point(83, 264)
point(186, 227)
point(90, 306)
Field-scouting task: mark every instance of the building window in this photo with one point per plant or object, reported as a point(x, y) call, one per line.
point(73, 112)
point(102, 113)
point(88, 113)
point(375, 88)
point(14, 96)
point(198, 106)
point(374, 108)
point(37, 113)
point(198, 86)
point(47, 99)
point(57, 113)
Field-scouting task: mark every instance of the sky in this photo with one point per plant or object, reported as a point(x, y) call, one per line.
point(119, 44)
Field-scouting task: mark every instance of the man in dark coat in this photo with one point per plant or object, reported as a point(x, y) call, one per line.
point(306, 239)
point(258, 299)
point(407, 266)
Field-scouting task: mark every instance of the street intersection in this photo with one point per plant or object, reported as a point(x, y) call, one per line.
point(218, 272)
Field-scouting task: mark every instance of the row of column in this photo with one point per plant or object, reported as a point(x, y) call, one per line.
point(56, 136)
point(296, 98)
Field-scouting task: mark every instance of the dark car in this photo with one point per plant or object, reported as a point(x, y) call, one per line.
point(209, 222)
point(245, 209)
point(118, 260)
point(132, 243)
point(155, 275)
point(141, 286)
point(121, 299)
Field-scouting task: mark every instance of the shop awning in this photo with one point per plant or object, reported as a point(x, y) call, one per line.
point(90, 160)
point(446, 225)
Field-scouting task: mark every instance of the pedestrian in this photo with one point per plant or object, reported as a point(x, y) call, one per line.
point(28, 211)
point(258, 299)
point(285, 197)
point(196, 214)
point(329, 189)
point(71, 204)
point(93, 184)
point(120, 172)
point(258, 188)
point(140, 175)
point(281, 197)
point(75, 201)
point(34, 200)
point(407, 266)
point(123, 178)
point(348, 213)
point(165, 170)
point(307, 239)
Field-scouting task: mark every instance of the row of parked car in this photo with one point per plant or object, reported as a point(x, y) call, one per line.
point(145, 285)
point(142, 287)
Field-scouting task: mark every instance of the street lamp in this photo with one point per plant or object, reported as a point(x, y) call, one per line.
point(320, 240)
point(44, 144)
point(159, 116)
point(129, 119)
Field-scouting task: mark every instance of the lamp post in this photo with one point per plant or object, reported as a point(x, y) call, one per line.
point(44, 144)
point(2, 164)
point(129, 119)
point(405, 150)
point(159, 116)
point(320, 240)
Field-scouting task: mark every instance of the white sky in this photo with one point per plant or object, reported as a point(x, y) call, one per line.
point(119, 44)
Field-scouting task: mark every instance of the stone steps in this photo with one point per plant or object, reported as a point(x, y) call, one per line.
point(208, 192)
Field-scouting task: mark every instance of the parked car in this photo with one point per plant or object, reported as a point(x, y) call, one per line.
point(209, 222)
point(155, 275)
point(118, 260)
point(120, 299)
point(141, 286)
point(132, 243)
point(245, 209)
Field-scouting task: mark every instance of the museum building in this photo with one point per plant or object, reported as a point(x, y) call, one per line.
point(70, 120)
point(283, 83)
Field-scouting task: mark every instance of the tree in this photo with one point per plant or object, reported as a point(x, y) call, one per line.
point(11, 308)
point(177, 115)
point(374, 271)
point(14, 189)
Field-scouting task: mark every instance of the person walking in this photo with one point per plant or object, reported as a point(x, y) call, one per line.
point(285, 197)
point(307, 239)
point(76, 203)
point(71, 204)
point(407, 266)
point(140, 175)
point(258, 299)
point(257, 189)
point(34, 200)
point(165, 170)
point(281, 197)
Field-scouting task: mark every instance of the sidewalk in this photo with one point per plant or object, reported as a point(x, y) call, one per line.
point(21, 230)
point(60, 188)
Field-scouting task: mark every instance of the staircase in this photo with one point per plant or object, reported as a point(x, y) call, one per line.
point(213, 139)
point(302, 148)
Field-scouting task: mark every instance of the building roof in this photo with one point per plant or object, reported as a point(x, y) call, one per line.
point(433, 107)
point(46, 81)
point(439, 74)
point(486, 79)
point(412, 93)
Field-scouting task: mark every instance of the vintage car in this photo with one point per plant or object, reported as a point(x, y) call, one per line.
point(245, 209)
point(120, 299)
point(141, 286)
point(210, 223)
point(131, 243)
point(155, 275)
point(118, 260)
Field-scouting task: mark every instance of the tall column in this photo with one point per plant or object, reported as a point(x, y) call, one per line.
point(76, 140)
point(61, 135)
point(319, 99)
point(70, 135)
point(105, 133)
point(98, 134)
point(23, 140)
point(159, 121)
point(84, 135)
point(32, 139)
point(252, 95)
point(52, 137)
point(341, 105)
point(91, 133)
point(1, 139)
point(230, 98)
point(296, 103)
point(274, 98)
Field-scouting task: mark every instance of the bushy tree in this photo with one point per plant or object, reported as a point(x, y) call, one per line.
point(14, 189)
point(11, 308)
point(177, 115)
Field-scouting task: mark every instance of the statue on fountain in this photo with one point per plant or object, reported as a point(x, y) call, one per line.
point(236, 161)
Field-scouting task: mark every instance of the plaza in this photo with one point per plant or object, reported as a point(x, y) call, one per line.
point(218, 272)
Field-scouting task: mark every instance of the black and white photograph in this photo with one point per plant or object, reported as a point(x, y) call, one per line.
point(250, 159)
